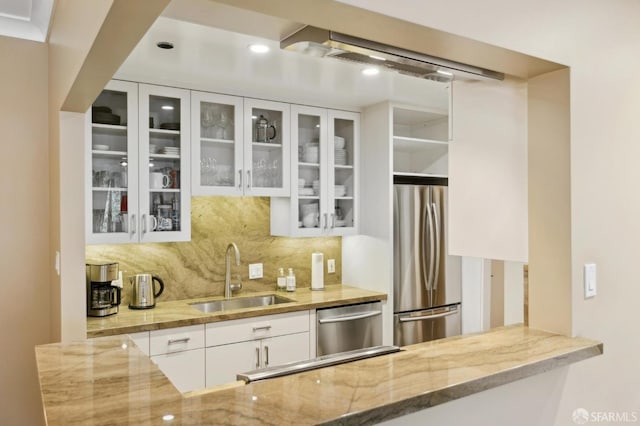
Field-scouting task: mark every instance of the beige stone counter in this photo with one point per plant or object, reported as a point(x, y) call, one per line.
point(178, 313)
point(109, 381)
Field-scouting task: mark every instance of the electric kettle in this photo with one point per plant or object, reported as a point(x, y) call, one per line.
point(143, 291)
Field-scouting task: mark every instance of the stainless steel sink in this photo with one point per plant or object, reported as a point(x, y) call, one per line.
point(239, 303)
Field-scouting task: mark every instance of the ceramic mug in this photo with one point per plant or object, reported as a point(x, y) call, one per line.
point(159, 180)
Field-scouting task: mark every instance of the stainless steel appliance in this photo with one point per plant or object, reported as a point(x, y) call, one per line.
point(346, 328)
point(103, 298)
point(427, 284)
point(143, 291)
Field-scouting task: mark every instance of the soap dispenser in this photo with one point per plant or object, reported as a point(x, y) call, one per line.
point(291, 281)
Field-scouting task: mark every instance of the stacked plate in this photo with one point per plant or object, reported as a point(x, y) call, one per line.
point(341, 157)
point(311, 151)
point(171, 150)
point(338, 142)
point(339, 190)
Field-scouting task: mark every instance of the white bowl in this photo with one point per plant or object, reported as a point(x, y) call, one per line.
point(98, 147)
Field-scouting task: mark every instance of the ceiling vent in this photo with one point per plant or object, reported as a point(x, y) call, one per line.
point(324, 43)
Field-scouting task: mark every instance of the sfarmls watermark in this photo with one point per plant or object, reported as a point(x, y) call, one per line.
point(582, 417)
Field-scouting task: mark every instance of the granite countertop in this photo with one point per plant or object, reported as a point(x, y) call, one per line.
point(110, 381)
point(178, 313)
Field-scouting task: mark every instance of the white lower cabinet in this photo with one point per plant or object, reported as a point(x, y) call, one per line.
point(179, 353)
point(185, 369)
point(243, 345)
point(199, 356)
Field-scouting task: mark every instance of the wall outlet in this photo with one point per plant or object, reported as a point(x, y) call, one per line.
point(331, 266)
point(255, 271)
point(589, 280)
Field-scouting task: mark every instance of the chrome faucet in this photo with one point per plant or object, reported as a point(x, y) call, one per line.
point(228, 287)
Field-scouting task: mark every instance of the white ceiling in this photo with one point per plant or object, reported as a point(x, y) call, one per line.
point(213, 59)
point(27, 19)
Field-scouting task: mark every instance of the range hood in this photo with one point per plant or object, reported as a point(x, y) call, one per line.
point(325, 43)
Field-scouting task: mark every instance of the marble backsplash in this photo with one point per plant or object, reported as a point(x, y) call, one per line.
point(197, 268)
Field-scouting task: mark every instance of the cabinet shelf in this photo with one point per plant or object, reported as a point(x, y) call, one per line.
point(164, 190)
point(308, 197)
point(164, 132)
point(98, 153)
point(108, 189)
point(166, 156)
point(268, 146)
point(218, 141)
point(343, 166)
point(343, 198)
point(109, 129)
point(311, 165)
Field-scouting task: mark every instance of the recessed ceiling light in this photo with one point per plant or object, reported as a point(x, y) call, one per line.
point(165, 45)
point(167, 107)
point(371, 71)
point(380, 58)
point(259, 48)
point(447, 73)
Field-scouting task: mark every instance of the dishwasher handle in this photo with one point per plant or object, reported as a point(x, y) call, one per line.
point(349, 317)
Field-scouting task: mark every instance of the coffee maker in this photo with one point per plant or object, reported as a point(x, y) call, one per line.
point(103, 292)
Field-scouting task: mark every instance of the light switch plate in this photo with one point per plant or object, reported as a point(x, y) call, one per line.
point(255, 271)
point(331, 266)
point(589, 280)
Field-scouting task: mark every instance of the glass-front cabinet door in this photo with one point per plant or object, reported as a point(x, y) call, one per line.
point(342, 185)
point(266, 148)
point(111, 160)
point(309, 170)
point(164, 151)
point(217, 158)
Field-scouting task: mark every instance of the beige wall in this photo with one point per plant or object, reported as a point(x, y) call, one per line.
point(599, 41)
point(197, 268)
point(24, 225)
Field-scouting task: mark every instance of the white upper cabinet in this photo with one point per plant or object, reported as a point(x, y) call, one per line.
point(266, 148)
point(139, 189)
point(217, 145)
point(164, 179)
point(111, 159)
point(324, 159)
point(240, 146)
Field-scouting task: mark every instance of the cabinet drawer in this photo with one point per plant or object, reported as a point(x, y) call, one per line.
point(176, 339)
point(221, 333)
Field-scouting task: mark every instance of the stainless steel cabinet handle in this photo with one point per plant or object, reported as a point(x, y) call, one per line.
point(180, 340)
point(240, 179)
point(333, 220)
point(428, 317)
point(144, 223)
point(249, 179)
point(326, 221)
point(434, 284)
point(264, 327)
point(257, 357)
point(266, 356)
point(349, 317)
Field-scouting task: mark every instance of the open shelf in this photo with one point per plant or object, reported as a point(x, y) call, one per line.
point(311, 165)
point(434, 175)
point(167, 156)
point(108, 189)
point(265, 145)
point(109, 129)
point(164, 190)
point(164, 132)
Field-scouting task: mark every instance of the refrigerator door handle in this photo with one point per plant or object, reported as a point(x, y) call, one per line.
point(437, 238)
point(426, 218)
point(431, 249)
point(428, 316)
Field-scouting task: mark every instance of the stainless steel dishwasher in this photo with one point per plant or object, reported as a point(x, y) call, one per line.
point(346, 328)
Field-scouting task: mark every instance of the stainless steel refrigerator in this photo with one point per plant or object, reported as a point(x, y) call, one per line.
point(427, 281)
